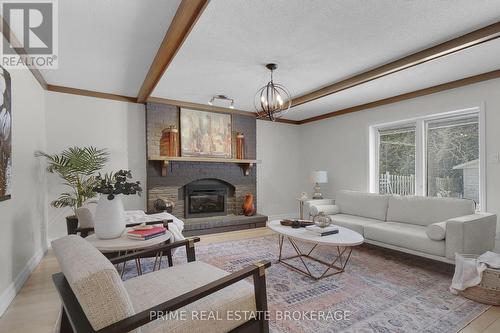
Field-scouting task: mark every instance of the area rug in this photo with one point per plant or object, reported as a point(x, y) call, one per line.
point(380, 291)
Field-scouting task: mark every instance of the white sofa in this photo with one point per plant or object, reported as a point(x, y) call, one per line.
point(435, 228)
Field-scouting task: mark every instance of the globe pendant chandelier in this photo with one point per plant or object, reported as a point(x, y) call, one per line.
point(273, 100)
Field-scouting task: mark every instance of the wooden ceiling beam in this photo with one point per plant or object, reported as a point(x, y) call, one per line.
point(418, 93)
point(184, 20)
point(212, 108)
point(4, 27)
point(454, 45)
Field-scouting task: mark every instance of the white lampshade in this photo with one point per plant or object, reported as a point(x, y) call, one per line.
point(320, 177)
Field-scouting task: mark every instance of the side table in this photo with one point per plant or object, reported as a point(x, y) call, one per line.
point(124, 245)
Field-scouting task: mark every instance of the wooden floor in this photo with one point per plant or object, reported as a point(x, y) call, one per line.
point(36, 307)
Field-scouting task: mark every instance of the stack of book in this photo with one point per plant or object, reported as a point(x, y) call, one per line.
point(330, 230)
point(146, 234)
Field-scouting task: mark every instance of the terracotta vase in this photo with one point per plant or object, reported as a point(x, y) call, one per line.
point(248, 205)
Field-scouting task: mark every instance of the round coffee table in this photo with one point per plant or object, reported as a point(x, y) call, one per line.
point(342, 242)
point(124, 245)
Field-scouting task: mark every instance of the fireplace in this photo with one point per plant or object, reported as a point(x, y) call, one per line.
point(206, 197)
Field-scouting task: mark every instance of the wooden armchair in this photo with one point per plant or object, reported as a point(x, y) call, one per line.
point(95, 299)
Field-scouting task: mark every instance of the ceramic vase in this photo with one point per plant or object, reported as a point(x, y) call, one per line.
point(248, 205)
point(109, 217)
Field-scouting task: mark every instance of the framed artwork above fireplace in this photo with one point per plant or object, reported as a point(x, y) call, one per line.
point(205, 134)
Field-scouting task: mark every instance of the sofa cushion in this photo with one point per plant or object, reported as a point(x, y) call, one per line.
point(94, 280)
point(408, 236)
point(327, 209)
point(436, 231)
point(356, 223)
point(157, 287)
point(86, 213)
point(362, 204)
point(426, 210)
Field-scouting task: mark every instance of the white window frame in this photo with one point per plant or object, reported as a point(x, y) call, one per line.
point(421, 149)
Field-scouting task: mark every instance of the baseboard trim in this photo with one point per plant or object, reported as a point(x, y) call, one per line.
point(10, 293)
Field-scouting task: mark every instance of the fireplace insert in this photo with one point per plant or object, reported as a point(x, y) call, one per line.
point(206, 197)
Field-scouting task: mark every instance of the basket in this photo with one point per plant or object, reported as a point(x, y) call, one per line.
point(488, 290)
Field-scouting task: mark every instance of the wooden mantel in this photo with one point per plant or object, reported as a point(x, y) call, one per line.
point(245, 164)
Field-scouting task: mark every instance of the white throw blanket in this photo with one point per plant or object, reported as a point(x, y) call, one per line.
point(138, 216)
point(469, 271)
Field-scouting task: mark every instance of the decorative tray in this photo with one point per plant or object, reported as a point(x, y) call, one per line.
point(296, 223)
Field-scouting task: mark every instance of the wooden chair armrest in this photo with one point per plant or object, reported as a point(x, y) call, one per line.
point(188, 243)
point(153, 313)
point(164, 222)
point(85, 231)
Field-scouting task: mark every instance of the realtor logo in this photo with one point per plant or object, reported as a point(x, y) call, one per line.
point(30, 31)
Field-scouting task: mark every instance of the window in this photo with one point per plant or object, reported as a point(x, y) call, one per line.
point(453, 157)
point(397, 160)
point(437, 156)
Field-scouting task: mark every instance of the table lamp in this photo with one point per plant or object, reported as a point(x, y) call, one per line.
point(318, 177)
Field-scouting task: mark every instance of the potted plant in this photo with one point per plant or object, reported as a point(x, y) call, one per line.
point(77, 166)
point(109, 215)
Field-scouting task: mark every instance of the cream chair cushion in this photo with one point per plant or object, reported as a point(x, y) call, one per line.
point(157, 287)
point(94, 280)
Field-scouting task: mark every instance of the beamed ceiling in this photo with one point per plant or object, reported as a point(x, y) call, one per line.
point(329, 52)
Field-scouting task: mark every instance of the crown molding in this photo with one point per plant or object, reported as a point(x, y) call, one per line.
point(90, 93)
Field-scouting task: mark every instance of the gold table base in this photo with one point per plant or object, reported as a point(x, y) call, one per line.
point(342, 258)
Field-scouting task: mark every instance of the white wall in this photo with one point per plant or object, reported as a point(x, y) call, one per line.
point(278, 183)
point(87, 121)
point(23, 218)
point(340, 144)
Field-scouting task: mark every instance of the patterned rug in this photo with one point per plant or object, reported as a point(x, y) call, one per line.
point(380, 291)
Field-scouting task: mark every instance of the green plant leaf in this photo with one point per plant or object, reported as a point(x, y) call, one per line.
point(77, 166)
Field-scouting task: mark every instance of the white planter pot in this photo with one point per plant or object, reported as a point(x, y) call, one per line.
point(109, 217)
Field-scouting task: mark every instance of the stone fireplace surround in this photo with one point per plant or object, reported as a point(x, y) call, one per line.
point(180, 173)
point(207, 198)
point(172, 186)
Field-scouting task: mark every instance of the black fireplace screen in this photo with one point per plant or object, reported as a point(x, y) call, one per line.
point(205, 198)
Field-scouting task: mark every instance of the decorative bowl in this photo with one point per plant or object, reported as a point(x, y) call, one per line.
point(322, 220)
